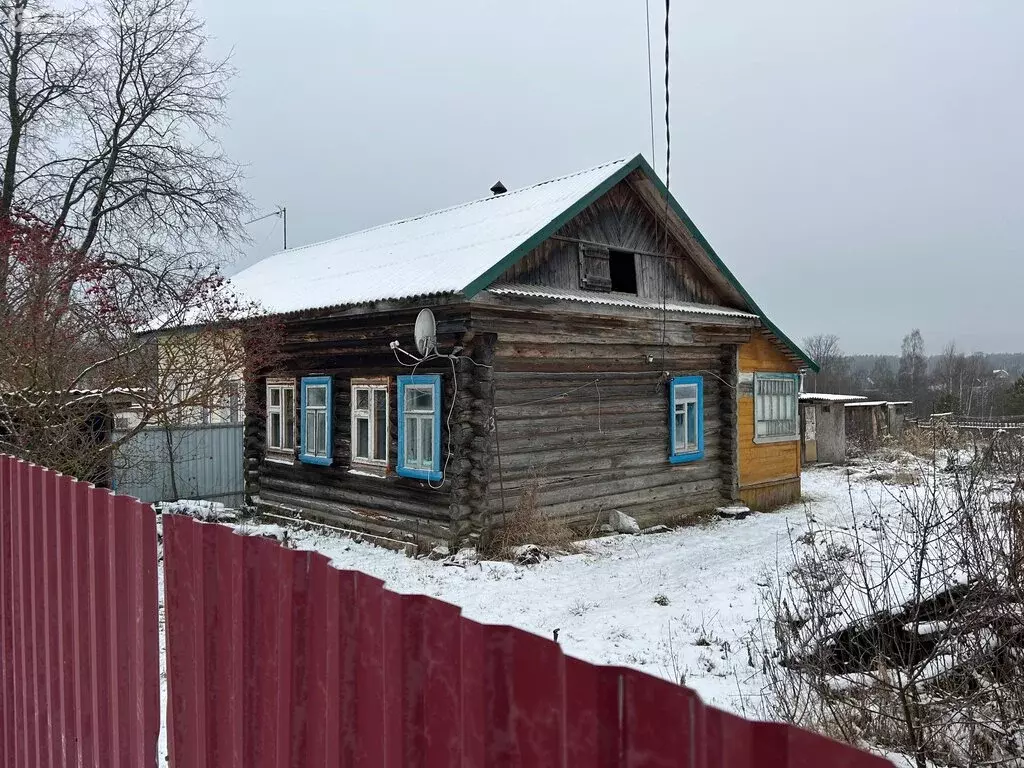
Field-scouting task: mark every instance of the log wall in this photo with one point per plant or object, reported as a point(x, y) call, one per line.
point(582, 416)
point(395, 510)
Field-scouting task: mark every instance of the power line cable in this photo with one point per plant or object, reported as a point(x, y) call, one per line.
point(650, 80)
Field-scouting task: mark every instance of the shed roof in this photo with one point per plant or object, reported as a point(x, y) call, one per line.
point(457, 250)
point(824, 397)
point(880, 402)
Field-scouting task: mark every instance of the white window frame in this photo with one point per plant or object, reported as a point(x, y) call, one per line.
point(375, 388)
point(773, 405)
point(281, 385)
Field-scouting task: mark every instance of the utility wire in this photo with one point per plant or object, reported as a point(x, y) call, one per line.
point(668, 132)
point(668, 161)
point(650, 80)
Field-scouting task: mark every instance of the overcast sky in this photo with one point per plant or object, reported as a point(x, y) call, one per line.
point(858, 164)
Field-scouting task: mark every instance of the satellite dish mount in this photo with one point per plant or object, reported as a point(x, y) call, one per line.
point(425, 332)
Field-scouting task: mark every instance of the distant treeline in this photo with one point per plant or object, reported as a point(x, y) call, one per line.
point(1011, 362)
point(976, 384)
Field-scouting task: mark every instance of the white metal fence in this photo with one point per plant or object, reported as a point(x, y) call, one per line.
point(193, 462)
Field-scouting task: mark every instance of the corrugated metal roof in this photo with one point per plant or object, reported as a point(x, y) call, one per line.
point(823, 397)
point(437, 253)
point(615, 300)
point(879, 402)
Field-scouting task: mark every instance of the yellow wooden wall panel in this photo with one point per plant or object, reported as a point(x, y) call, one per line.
point(761, 354)
point(767, 462)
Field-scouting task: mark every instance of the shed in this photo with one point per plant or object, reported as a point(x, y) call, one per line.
point(592, 353)
point(823, 426)
point(868, 421)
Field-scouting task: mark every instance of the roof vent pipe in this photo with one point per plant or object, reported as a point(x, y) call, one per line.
point(498, 188)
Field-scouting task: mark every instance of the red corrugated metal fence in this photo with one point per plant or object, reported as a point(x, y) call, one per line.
point(277, 659)
point(79, 650)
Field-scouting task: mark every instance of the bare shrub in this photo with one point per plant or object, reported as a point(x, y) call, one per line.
point(906, 631)
point(526, 524)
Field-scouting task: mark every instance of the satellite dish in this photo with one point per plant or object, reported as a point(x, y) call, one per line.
point(425, 332)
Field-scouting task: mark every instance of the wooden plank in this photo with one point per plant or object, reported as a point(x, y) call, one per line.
point(764, 354)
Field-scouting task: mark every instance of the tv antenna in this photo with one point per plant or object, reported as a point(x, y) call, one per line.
point(282, 213)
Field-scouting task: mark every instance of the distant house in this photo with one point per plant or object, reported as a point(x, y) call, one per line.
point(592, 353)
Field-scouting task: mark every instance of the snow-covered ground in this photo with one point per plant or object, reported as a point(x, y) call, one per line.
point(680, 605)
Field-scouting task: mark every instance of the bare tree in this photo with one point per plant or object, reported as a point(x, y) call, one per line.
point(109, 136)
point(834, 374)
point(73, 356)
point(912, 377)
point(117, 206)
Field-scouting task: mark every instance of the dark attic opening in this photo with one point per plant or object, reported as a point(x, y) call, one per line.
point(622, 269)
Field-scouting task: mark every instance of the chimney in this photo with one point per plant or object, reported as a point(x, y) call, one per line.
point(498, 188)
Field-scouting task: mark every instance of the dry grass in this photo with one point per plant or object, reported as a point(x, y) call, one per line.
point(526, 524)
point(919, 442)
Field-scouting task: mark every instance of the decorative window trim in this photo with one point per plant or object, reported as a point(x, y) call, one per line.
point(280, 453)
point(681, 457)
point(318, 381)
point(788, 437)
point(432, 380)
point(375, 386)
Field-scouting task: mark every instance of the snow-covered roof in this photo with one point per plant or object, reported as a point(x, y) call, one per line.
point(437, 253)
point(616, 300)
point(824, 397)
point(458, 250)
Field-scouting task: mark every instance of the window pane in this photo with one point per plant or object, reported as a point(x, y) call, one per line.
point(427, 443)
point(419, 398)
point(362, 438)
point(686, 392)
point(380, 425)
point(274, 436)
point(289, 418)
point(691, 428)
point(411, 442)
point(310, 434)
point(320, 417)
point(316, 396)
point(362, 399)
point(275, 396)
point(680, 432)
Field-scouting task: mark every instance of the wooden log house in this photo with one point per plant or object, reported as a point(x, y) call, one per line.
point(592, 350)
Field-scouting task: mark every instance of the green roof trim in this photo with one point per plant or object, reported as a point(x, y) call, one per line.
point(591, 197)
point(549, 229)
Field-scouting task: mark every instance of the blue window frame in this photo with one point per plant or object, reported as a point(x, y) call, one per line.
point(686, 419)
point(419, 426)
point(317, 413)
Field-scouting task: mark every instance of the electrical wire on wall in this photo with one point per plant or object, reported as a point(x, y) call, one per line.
point(452, 358)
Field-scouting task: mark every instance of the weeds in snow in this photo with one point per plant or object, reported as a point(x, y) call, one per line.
point(526, 524)
point(906, 631)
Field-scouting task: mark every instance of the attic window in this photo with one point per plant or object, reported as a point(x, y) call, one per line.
point(622, 270)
